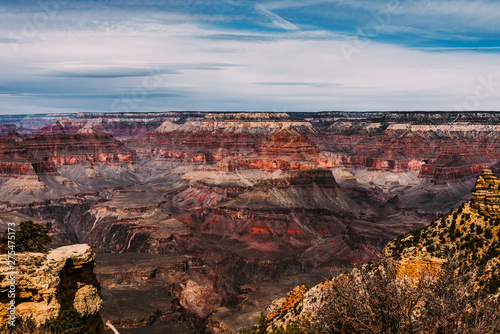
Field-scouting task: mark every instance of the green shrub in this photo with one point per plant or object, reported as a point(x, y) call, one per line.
point(23, 325)
point(68, 322)
point(30, 237)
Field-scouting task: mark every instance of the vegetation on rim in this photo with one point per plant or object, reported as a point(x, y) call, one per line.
point(30, 237)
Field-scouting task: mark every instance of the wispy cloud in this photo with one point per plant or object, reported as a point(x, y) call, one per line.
point(9, 40)
point(276, 19)
point(308, 84)
point(244, 55)
point(111, 71)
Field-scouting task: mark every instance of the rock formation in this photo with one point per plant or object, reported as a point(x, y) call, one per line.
point(47, 284)
point(215, 136)
point(486, 195)
point(470, 232)
point(405, 141)
point(86, 145)
point(469, 235)
point(284, 150)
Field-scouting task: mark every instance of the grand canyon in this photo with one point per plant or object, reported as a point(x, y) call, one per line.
point(199, 220)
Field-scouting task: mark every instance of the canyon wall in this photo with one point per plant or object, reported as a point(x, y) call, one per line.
point(228, 200)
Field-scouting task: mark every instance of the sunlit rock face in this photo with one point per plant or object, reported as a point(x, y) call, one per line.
point(215, 136)
point(47, 284)
point(486, 195)
point(85, 145)
point(284, 150)
point(443, 146)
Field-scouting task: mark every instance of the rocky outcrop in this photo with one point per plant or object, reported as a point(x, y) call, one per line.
point(47, 284)
point(469, 235)
point(486, 195)
point(470, 232)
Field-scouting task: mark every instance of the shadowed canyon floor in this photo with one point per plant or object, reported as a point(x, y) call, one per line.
point(200, 220)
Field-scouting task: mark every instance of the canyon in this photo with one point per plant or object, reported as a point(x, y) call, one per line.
point(199, 220)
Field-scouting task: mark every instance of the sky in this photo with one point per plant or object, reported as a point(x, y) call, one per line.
point(66, 56)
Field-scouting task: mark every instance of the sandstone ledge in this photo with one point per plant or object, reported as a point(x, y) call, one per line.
point(47, 284)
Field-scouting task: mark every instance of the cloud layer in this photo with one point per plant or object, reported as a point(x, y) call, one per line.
point(127, 55)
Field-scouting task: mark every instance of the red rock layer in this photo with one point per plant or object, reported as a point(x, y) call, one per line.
point(285, 150)
point(194, 147)
point(11, 149)
point(399, 151)
point(39, 155)
point(75, 148)
point(15, 169)
point(215, 136)
point(27, 169)
point(288, 143)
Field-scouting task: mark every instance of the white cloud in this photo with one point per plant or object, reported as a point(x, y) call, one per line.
point(196, 72)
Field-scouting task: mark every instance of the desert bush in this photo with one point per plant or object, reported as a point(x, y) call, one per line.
point(380, 302)
point(23, 325)
point(68, 322)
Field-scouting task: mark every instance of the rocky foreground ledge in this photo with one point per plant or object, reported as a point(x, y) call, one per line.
point(47, 284)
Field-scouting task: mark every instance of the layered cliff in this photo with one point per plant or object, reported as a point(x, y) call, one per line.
point(284, 150)
point(47, 284)
point(30, 122)
point(215, 136)
point(120, 125)
point(30, 166)
point(249, 198)
point(86, 145)
point(405, 141)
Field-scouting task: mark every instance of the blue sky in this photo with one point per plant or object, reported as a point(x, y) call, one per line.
point(310, 55)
